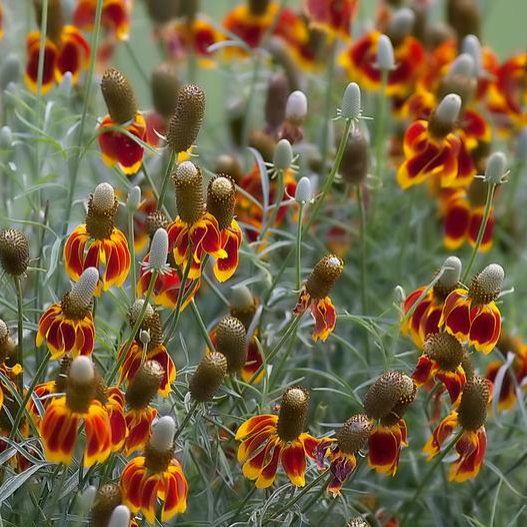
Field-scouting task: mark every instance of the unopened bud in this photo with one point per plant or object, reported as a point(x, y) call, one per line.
point(351, 102)
point(399, 294)
point(208, 377)
point(401, 25)
point(443, 119)
point(134, 199)
point(120, 517)
point(119, 96)
point(296, 108)
point(14, 252)
point(159, 250)
point(496, 168)
point(10, 71)
point(385, 55)
point(451, 268)
point(283, 155)
point(144, 337)
point(304, 191)
point(162, 438)
point(6, 138)
point(87, 498)
point(81, 370)
point(472, 46)
point(66, 83)
point(463, 65)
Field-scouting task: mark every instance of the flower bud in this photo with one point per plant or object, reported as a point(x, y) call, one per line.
point(154, 221)
point(451, 272)
point(231, 341)
point(283, 155)
point(276, 100)
point(81, 370)
point(355, 160)
point(134, 199)
point(86, 498)
point(385, 56)
point(389, 390)
point(66, 83)
point(120, 517)
point(472, 409)
point(159, 250)
point(144, 385)
point(496, 167)
point(188, 181)
point(119, 96)
point(6, 138)
point(401, 25)
point(486, 286)
point(471, 46)
point(351, 102)
point(78, 301)
point(443, 120)
point(221, 200)
point(164, 86)
point(354, 434)
point(445, 350)
point(324, 275)
point(107, 499)
point(208, 377)
point(10, 71)
point(293, 413)
point(399, 294)
point(296, 108)
point(14, 252)
point(185, 124)
point(162, 438)
point(230, 166)
point(144, 337)
point(463, 65)
point(304, 191)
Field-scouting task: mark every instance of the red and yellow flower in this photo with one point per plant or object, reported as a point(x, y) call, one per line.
point(113, 400)
point(333, 16)
point(384, 446)
point(115, 16)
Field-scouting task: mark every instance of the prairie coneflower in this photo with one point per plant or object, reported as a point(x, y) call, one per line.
point(14, 252)
point(335, 17)
point(208, 377)
point(65, 49)
point(117, 147)
point(60, 424)
point(99, 241)
point(386, 401)
point(472, 315)
point(115, 16)
point(68, 326)
point(472, 443)
point(156, 474)
point(270, 440)
point(112, 399)
point(230, 339)
point(314, 294)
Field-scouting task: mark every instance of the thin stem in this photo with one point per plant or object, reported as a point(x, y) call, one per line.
point(20, 313)
point(131, 244)
point(187, 419)
point(486, 213)
point(202, 326)
point(363, 267)
point(166, 178)
point(298, 266)
point(278, 201)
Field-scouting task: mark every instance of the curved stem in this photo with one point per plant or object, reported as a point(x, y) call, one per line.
point(278, 202)
point(20, 314)
point(166, 178)
point(132, 255)
point(185, 421)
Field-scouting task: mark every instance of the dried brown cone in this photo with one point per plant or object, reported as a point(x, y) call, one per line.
point(55, 21)
point(208, 377)
point(107, 498)
point(154, 221)
point(276, 100)
point(445, 350)
point(14, 252)
point(221, 199)
point(258, 7)
point(188, 182)
point(472, 409)
point(164, 85)
point(185, 124)
point(231, 341)
point(464, 17)
point(355, 161)
point(293, 413)
point(354, 434)
point(389, 390)
point(118, 95)
point(229, 165)
point(324, 275)
point(144, 385)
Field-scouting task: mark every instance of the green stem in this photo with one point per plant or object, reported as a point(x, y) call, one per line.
point(166, 178)
point(185, 421)
point(278, 201)
point(131, 244)
point(363, 267)
point(20, 313)
point(298, 266)
point(202, 326)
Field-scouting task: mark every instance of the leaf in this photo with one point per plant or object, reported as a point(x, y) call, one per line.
point(264, 178)
point(13, 484)
point(53, 259)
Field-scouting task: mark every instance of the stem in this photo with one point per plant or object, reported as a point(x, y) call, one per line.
point(202, 326)
point(185, 421)
point(486, 213)
point(166, 178)
point(132, 255)
point(379, 130)
point(363, 268)
point(20, 313)
point(278, 201)
point(298, 266)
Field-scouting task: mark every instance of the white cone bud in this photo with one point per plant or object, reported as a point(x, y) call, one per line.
point(464, 65)
point(351, 102)
point(144, 337)
point(399, 294)
point(81, 370)
point(496, 168)
point(4, 331)
point(82, 292)
point(472, 46)
point(451, 272)
point(296, 107)
point(6, 138)
point(491, 278)
point(385, 56)
point(402, 22)
point(66, 83)
point(449, 108)
point(283, 155)
point(103, 197)
point(304, 190)
point(120, 517)
point(241, 298)
point(163, 432)
point(521, 146)
point(159, 250)
point(134, 199)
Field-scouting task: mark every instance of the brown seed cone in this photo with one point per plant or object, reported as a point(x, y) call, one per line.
point(464, 17)
point(276, 100)
point(400, 408)
point(14, 252)
point(445, 350)
point(480, 293)
point(208, 377)
point(71, 309)
point(154, 221)
point(55, 21)
point(439, 128)
point(258, 7)
point(245, 315)
point(188, 182)
point(151, 323)
point(355, 161)
point(107, 498)
point(461, 85)
point(324, 275)
point(164, 86)
point(293, 413)
point(160, 11)
point(118, 95)
point(80, 395)
point(157, 461)
point(264, 143)
point(61, 380)
point(235, 119)
point(5, 342)
point(185, 124)
point(507, 343)
point(221, 199)
point(472, 409)
point(357, 522)
point(389, 390)
point(144, 385)
point(468, 366)
point(231, 341)
point(229, 165)
point(354, 434)
point(100, 223)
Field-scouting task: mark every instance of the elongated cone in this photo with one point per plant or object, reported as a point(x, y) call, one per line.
point(119, 96)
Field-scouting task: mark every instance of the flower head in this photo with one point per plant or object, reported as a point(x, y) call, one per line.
point(14, 252)
point(208, 376)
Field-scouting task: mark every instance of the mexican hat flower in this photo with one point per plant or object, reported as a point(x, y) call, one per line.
point(314, 294)
point(156, 474)
point(99, 243)
point(14, 252)
point(68, 326)
point(65, 49)
point(421, 316)
point(471, 315)
point(107, 498)
point(385, 403)
point(59, 428)
point(342, 451)
point(269, 440)
point(335, 17)
point(118, 148)
point(230, 339)
point(208, 377)
point(115, 16)
point(472, 441)
point(112, 398)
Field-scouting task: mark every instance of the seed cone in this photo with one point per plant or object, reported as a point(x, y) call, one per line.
point(188, 181)
point(61, 380)
point(8, 349)
point(208, 377)
point(464, 17)
point(14, 252)
point(391, 389)
point(462, 85)
point(118, 95)
point(231, 341)
point(221, 199)
point(144, 385)
point(354, 434)
point(164, 86)
point(245, 315)
point(472, 409)
point(324, 275)
point(293, 413)
point(157, 461)
point(357, 522)
point(258, 7)
point(156, 220)
point(79, 395)
point(485, 287)
point(264, 143)
point(151, 322)
point(477, 192)
point(445, 350)
point(72, 309)
point(355, 162)
point(230, 166)
point(108, 497)
point(185, 124)
point(55, 21)
point(276, 100)
point(100, 220)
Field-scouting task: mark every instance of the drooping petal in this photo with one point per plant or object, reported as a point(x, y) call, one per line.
point(325, 315)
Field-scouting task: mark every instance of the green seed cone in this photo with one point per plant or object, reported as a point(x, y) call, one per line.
point(231, 341)
point(14, 252)
point(472, 409)
point(208, 377)
point(293, 413)
point(221, 199)
point(119, 96)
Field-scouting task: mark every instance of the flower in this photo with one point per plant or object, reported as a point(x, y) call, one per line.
point(65, 50)
point(208, 377)
point(115, 16)
point(98, 242)
point(270, 440)
point(60, 424)
point(14, 252)
point(230, 339)
point(335, 17)
point(472, 443)
point(156, 474)
point(314, 294)
point(113, 400)
point(117, 147)
point(472, 315)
